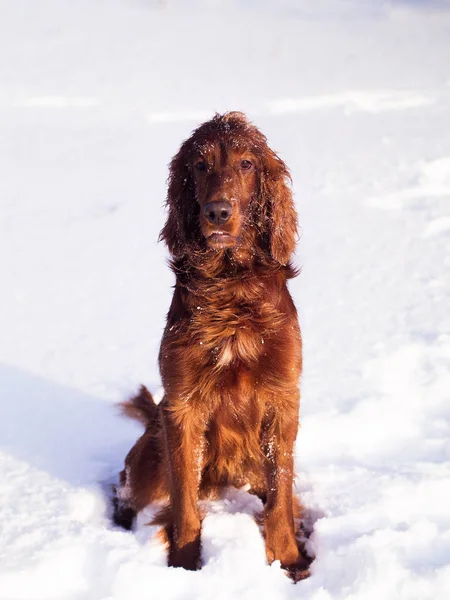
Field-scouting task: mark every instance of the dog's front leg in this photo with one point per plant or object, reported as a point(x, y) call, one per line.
point(184, 445)
point(281, 543)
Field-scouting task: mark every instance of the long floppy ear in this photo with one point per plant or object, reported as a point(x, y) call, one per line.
point(280, 213)
point(182, 219)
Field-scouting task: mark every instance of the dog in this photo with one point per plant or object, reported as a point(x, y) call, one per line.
point(231, 352)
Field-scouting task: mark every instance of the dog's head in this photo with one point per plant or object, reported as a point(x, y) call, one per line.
point(228, 191)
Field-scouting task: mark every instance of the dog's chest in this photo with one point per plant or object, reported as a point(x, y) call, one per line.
point(231, 334)
point(238, 344)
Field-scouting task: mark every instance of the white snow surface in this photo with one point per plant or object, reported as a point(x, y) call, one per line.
point(95, 98)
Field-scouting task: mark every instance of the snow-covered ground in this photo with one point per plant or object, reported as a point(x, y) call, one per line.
point(95, 98)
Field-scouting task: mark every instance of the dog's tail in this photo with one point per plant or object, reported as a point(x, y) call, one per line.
point(142, 408)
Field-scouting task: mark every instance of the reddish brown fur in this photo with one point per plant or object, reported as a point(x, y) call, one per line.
point(231, 353)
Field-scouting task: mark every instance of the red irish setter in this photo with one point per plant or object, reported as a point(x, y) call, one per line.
point(231, 353)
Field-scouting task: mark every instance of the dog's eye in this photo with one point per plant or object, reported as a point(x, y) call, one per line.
point(246, 165)
point(200, 165)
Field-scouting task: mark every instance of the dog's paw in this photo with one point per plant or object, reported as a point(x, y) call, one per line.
point(185, 551)
point(187, 557)
point(300, 569)
point(297, 573)
point(123, 515)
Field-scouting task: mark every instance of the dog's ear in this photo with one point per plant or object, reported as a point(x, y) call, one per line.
point(182, 219)
point(280, 217)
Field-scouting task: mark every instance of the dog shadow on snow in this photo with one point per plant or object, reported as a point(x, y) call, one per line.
point(67, 433)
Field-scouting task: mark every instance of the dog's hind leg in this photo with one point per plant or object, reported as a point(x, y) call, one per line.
point(144, 478)
point(123, 512)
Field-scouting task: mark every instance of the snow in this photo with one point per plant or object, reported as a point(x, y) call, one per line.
point(95, 98)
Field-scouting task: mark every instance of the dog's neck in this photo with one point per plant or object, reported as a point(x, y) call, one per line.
point(228, 265)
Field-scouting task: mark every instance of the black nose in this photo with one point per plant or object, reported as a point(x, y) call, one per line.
point(218, 212)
